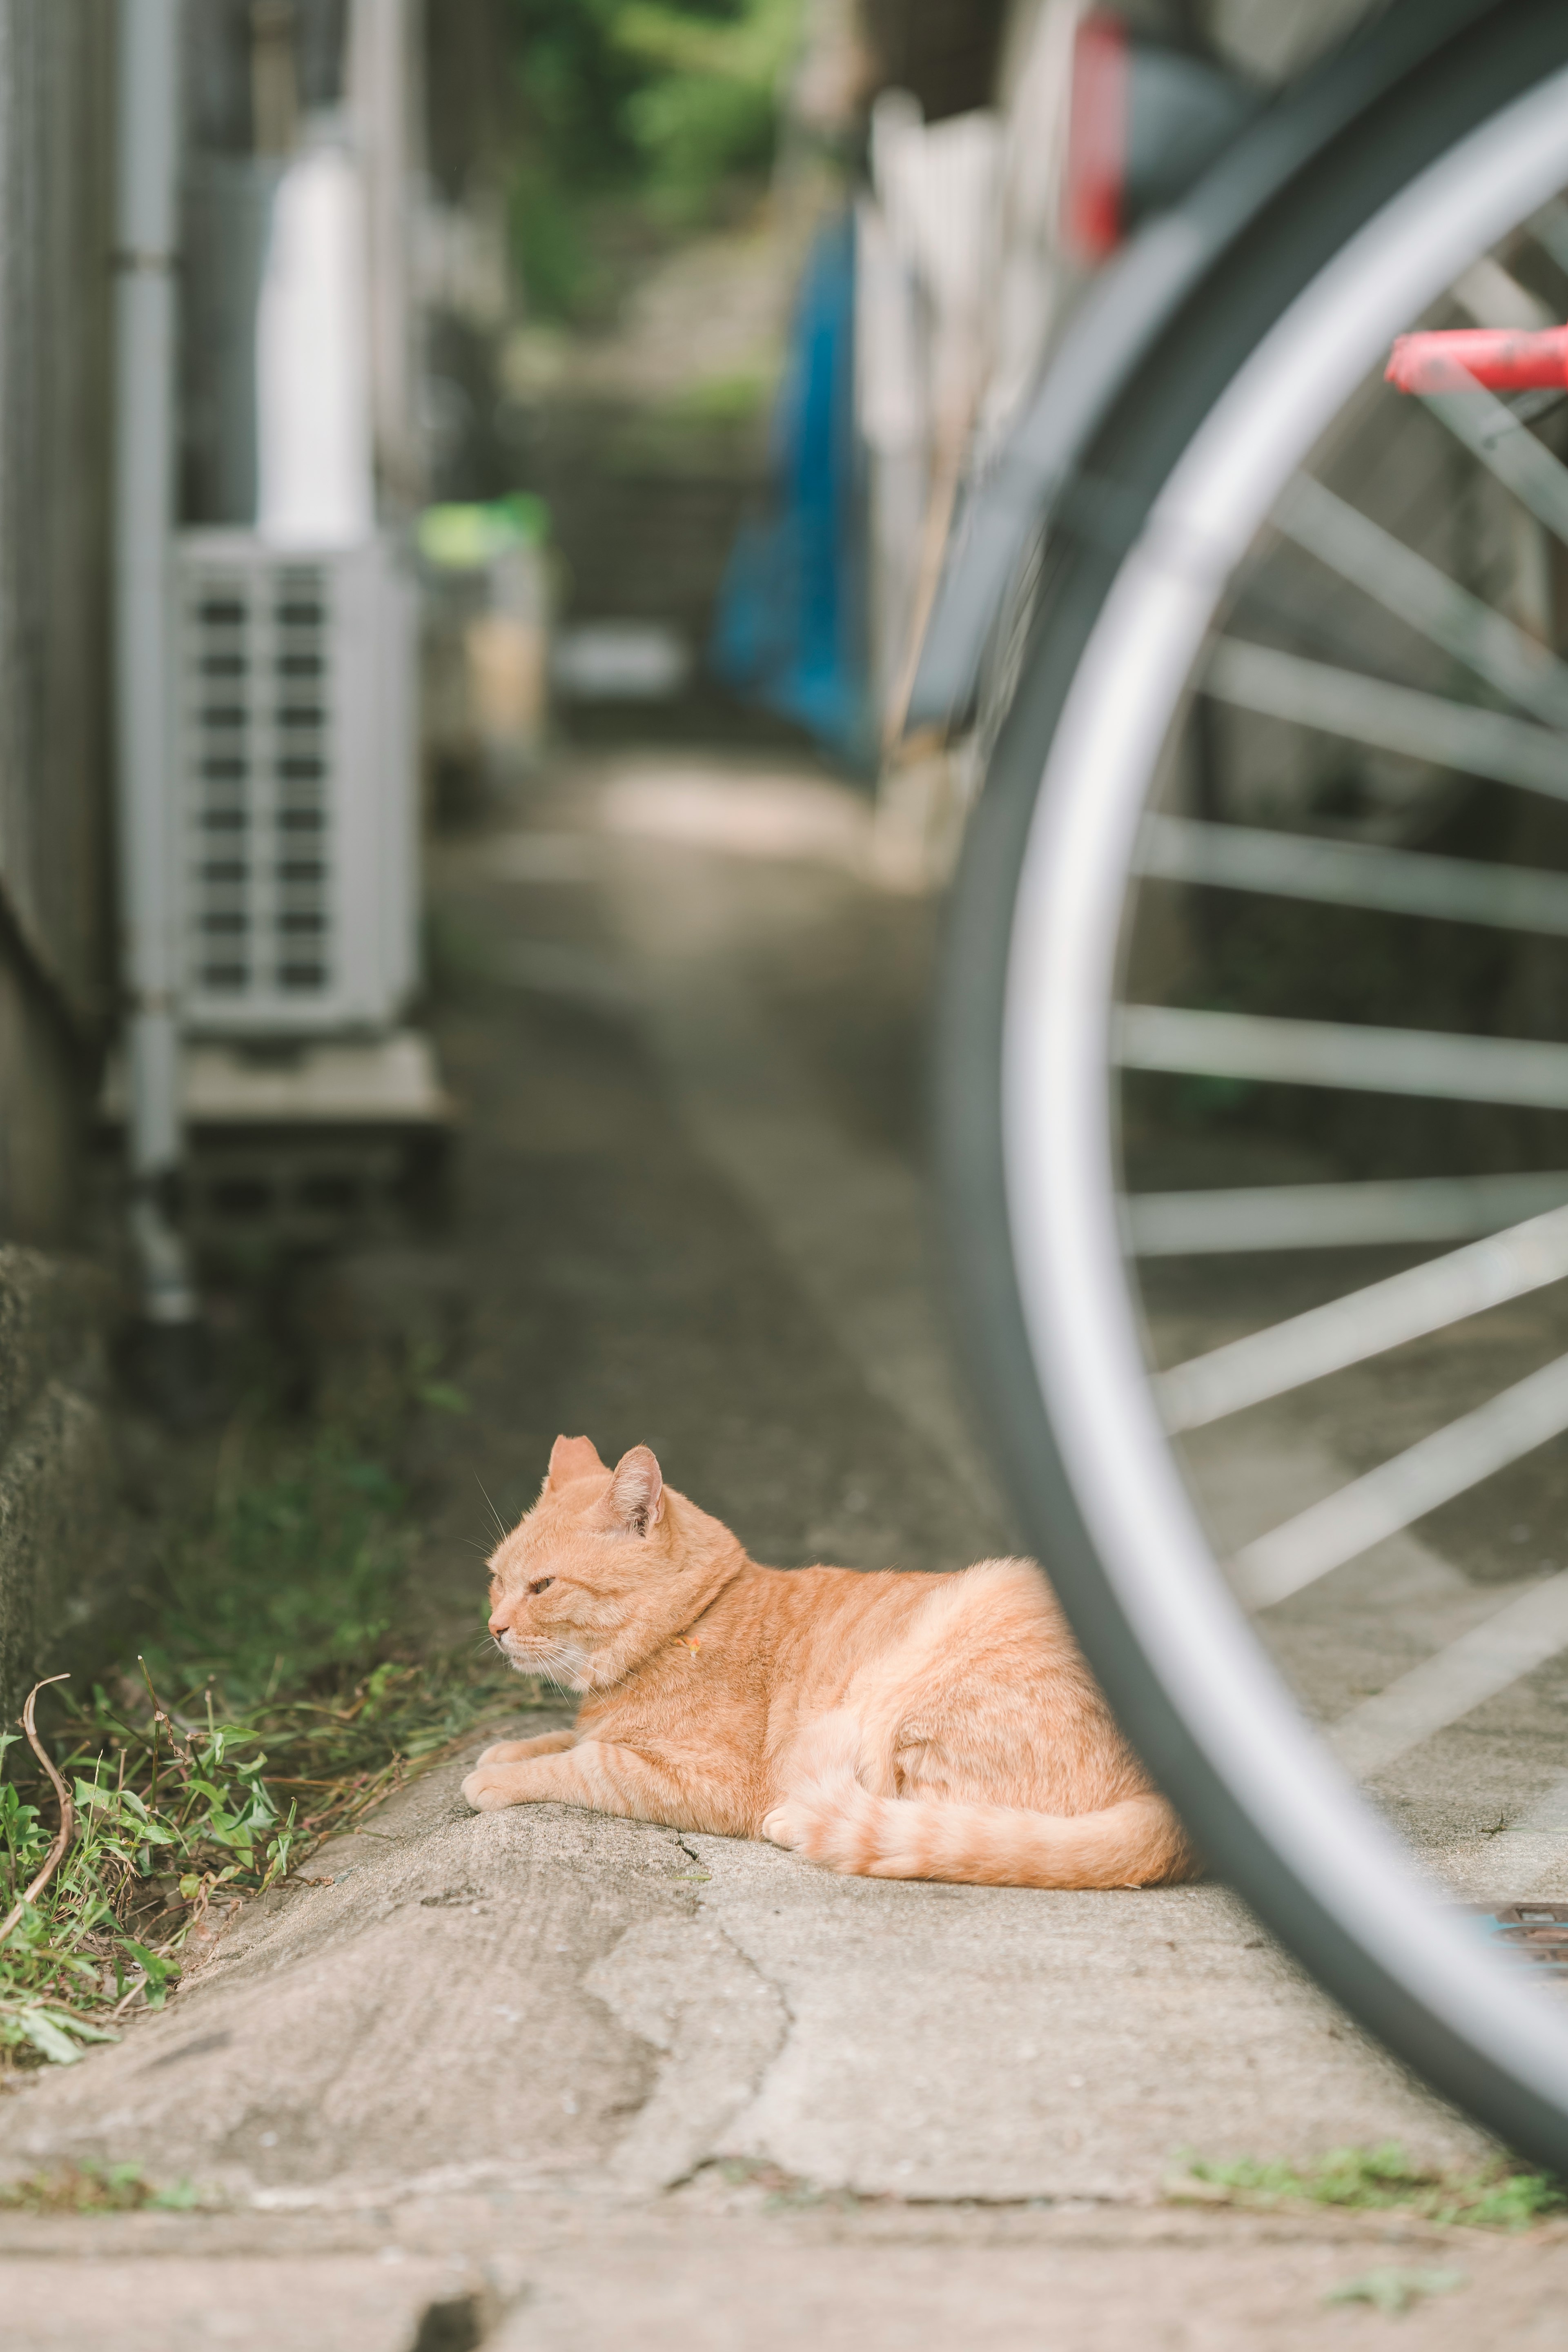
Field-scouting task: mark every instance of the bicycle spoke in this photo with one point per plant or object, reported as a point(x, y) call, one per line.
point(1404, 1489)
point(1446, 1688)
point(1365, 1323)
point(1525, 466)
point(1373, 587)
point(1391, 718)
point(1342, 1053)
point(1346, 874)
point(1424, 598)
point(1494, 298)
point(1549, 230)
point(1226, 1221)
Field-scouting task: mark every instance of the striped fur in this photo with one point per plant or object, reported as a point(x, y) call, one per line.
point(884, 1725)
point(830, 1815)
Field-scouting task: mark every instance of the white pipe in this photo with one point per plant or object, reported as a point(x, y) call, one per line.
point(381, 38)
point(147, 180)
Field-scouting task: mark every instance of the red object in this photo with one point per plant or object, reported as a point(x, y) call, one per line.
point(1504, 359)
point(1096, 139)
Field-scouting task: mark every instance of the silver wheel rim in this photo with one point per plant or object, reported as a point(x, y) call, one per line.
point(1060, 1175)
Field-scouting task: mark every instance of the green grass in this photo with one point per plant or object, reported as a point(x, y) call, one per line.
point(1392, 2289)
point(95, 2189)
point(271, 1709)
point(1502, 2196)
point(295, 1573)
point(719, 400)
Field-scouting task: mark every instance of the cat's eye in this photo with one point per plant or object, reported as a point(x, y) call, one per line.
point(540, 1583)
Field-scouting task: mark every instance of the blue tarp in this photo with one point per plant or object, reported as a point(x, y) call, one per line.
point(790, 632)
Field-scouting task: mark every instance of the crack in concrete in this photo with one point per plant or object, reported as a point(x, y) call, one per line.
point(687, 1988)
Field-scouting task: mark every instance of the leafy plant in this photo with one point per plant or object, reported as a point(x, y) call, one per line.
point(265, 1717)
point(96, 2189)
point(176, 1815)
point(1392, 2289)
point(648, 104)
point(295, 1572)
point(1500, 2196)
point(710, 103)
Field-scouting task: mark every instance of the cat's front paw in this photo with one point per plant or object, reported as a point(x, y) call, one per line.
point(491, 1785)
point(784, 1826)
point(505, 1751)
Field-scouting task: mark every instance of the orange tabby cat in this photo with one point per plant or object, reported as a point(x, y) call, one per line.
point(891, 1725)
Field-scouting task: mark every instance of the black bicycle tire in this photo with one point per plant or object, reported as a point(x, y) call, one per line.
point(1146, 421)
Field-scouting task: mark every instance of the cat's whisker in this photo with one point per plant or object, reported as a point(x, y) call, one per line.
point(500, 1526)
point(554, 1662)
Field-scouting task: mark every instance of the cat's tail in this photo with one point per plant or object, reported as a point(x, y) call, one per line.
point(829, 1815)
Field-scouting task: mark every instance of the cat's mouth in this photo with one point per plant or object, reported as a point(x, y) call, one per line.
point(561, 1662)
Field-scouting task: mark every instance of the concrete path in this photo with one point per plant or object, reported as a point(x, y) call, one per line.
point(543, 1997)
point(561, 2080)
point(538, 2079)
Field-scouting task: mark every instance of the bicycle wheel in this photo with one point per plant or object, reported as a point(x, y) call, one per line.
point(1254, 995)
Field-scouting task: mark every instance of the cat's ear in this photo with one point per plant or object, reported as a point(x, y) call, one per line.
point(572, 1457)
point(636, 1491)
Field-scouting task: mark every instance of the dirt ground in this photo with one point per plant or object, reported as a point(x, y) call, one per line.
point(537, 2079)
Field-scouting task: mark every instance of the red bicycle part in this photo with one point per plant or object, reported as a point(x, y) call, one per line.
point(1097, 138)
point(1503, 359)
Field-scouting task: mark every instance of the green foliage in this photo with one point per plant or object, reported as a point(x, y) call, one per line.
point(96, 2189)
point(655, 102)
point(297, 1572)
point(177, 1814)
point(1378, 2180)
point(710, 103)
point(265, 1717)
point(1395, 2290)
point(695, 128)
point(158, 1812)
point(573, 79)
point(442, 1396)
point(724, 399)
point(552, 245)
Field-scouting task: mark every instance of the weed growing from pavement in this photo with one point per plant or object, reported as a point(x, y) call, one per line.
point(1380, 2179)
point(95, 2189)
point(265, 1715)
point(1395, 2290)
point(786, 2192)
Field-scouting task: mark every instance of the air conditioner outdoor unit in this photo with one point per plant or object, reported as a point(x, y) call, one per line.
point(311, 1104)
point(295, 763)
point(273, 1085)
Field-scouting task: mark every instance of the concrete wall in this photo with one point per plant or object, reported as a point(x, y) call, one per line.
point(56, 1487)
point(59, 1549)
point(55, 938)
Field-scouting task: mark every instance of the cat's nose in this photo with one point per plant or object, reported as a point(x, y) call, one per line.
point(498, 1626)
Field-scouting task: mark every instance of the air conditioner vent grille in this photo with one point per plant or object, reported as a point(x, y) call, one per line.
point(258, 696)
point(297, 726)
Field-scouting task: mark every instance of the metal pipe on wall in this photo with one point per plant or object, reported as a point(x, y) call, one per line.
point(147, 171)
